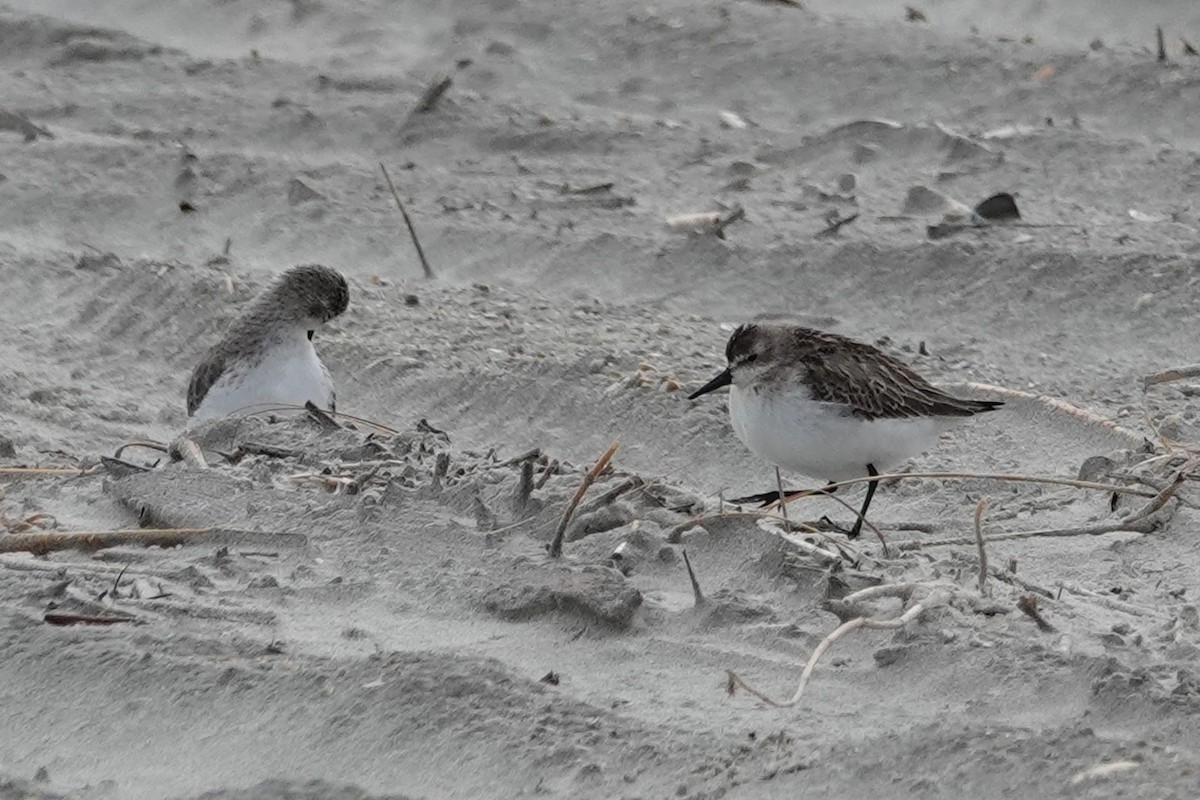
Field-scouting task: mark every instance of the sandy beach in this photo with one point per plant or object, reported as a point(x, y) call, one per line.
point(368, 610)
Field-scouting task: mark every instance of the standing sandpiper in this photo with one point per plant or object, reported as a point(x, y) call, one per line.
point(830, 407)
point(267, 356)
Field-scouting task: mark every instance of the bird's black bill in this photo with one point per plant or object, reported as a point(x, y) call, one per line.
point(724, 379)
point(310, 333)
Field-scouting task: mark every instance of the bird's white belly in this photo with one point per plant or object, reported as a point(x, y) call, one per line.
point(818, 439)
point(285, 374)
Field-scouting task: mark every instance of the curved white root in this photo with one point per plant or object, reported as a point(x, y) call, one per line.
point(937, 597)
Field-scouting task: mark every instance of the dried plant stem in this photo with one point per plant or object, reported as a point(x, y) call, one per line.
point(1054, 404)
point(588, 480)
point(335, 414)
point(983, 563)
point(1176, 374)
point(1099, 529)
point(1027, 605)
point(1140, 521)
point(433, 93)
point(696, 593)
point(856, 512)
point(988, 476)
point(45, 471)
point(1107, 602)
point(782, 502)
point(1164, 494)
point(1009, 578)
point(935, 598)
point(822, 555)
point(41, 543)
point(412, 232)
point(60, 618)
point(148, 444)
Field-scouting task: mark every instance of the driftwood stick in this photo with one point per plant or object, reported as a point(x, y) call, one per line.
point(148, 444)
point(412, 231)
point(1159, 500)
point(987, 476)
point(1011, 579)
point(1176, 374)
point(782, 503)
point(1027, 604)
point(433, 92)
point(60, 618)
point(983, 562)
point(42, 543)
point(1104, 600)
point(588, 480)
point(696, 593)
point(1099, 529)
point(524, 489)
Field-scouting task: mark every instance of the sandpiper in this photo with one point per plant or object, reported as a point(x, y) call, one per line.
point(829, 407)
point(267, 356)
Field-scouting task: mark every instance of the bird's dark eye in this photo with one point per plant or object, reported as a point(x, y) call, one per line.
point(750, 359)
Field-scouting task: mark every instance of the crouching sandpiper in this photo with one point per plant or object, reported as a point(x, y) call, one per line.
point(267, 358)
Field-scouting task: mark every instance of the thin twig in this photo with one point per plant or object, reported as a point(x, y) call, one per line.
point(1028, 605)
point(988, 476)
point(1107, 602)
point(79, 471)
point(1009, 578)
point(1165, 494)
point(412, 232)
point(901, 591)
point(256, 410)
point(835, 225)
point(1055, 404)
point(433, 93)
point(148, 444)
point(1162, 44)
point(524, 489)
point(822, 555)
point(590, 189)
point(588, 480)
point(723, 222)
point(1140, 521)
point(983, 563)
point(782, 502)
point(1099, 529)
point(675, 536)
point(696, 593)
point(856, 512)
point(60, 618)
point(42, 543)
point(547, 474)
point(117, 582)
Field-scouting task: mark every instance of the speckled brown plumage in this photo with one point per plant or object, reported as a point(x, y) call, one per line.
point(870, 383)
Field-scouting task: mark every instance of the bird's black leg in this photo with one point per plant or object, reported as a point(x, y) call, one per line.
point(766, 498)
point(871, 487)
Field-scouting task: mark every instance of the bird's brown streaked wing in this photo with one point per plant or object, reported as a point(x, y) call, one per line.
point(876, 386)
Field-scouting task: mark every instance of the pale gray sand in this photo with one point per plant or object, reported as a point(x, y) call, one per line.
point(401, 649)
